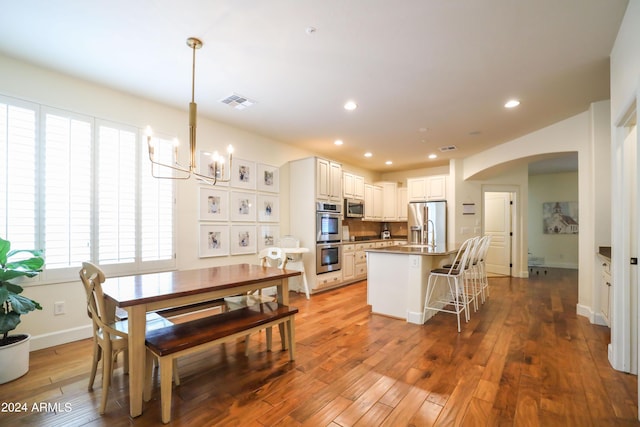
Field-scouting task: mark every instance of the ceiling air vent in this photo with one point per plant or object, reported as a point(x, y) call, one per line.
point(448, 148)
point(238, 102)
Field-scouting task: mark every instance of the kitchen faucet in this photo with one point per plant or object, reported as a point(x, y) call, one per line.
point(432, 241)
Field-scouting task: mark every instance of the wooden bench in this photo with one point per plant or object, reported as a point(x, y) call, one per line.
point(181, 339)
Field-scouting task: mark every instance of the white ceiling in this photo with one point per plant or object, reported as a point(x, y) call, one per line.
point(425, 73)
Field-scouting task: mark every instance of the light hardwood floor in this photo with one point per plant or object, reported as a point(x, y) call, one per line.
point(524, 359)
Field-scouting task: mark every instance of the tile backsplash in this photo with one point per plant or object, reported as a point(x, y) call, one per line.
point(361, 228)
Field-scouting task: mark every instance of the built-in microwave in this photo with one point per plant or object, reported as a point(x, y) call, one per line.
point(353, 208)
point(328, 222)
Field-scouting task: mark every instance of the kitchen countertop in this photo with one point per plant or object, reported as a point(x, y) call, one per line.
point(362, 239)
point(415, 250)
point(605, 251)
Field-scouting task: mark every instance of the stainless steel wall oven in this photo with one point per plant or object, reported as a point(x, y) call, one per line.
point(328, 257)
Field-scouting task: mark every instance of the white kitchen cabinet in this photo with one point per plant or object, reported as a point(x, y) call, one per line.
point(389, 200)
point(326, 280)
point(348, 262)
point(427, 188)
point(353, 186)
point(403, 202)
point(328, 180)
point(361, 258)
point(373, 202)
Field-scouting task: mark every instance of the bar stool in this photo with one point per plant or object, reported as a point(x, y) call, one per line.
point(454, 294)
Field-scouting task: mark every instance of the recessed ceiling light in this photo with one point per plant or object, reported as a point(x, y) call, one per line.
point(433, 156)
point(350, 106)
point(338, 142)
point(368, 154)
point(388, 162)
point(512, 103)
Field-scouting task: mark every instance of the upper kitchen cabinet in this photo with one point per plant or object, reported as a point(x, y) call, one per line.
point(328, 180)
point(403, 203)
point(427, 188)
point(353, 186)
point(373, 203)
point(389, 200)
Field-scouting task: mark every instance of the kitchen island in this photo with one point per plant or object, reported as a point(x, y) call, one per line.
point(397, 278)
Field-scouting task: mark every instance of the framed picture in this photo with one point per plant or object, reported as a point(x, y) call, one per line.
point(243, 239)
point(214, 204)
point(206, 167)
point(268, 208)
point(214, 240)
point(560, 217)
point(243, 206)
point(269, 236)
point(243, 174)
point(268, 178)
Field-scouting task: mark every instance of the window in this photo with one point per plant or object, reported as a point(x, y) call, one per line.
point(81, 189)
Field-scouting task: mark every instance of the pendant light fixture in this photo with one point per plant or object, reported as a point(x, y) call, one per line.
point(219, 168)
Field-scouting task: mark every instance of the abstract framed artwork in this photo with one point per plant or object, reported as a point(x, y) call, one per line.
point(243, 239)
point(268, 178)
point(268, 208)
point(242, 206)
point(214, 204)
point(243, 174)
point(214, 240)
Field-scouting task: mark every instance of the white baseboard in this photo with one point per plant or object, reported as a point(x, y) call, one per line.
point(39, 342)
point(585, 311)
point(414, 317)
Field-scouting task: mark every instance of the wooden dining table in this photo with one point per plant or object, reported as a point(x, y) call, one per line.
point(143, 293)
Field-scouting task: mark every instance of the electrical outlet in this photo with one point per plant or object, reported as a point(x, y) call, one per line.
point(58, 308)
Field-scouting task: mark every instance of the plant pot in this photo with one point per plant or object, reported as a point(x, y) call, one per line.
point(14, 359)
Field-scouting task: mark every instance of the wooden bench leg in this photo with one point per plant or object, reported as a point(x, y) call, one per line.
point(166, 374)
point(148, 374)
point(292, 338)
point(269, 333)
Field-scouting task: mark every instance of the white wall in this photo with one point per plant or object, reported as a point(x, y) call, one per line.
point(34, 84)
point(558, 250)
point(583, 133)
point(625, 95)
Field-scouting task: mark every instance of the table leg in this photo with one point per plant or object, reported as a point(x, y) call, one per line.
point(283, 298)
point(137, 331)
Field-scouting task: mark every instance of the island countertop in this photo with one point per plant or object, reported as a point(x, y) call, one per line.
point(416, 250)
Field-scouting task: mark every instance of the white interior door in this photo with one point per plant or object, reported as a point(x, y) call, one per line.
point(497, 224)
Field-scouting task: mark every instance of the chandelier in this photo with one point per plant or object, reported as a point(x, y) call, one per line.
point(218, 172)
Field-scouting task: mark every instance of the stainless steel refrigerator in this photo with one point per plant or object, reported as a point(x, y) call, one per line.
point(427, 223)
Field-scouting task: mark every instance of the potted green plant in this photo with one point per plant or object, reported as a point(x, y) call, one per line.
point(14, 349)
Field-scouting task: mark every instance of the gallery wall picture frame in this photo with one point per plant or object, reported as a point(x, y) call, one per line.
point(205, 167)
point(268, 208)
point(243, 174)
point(268, 235)
point(243, 239)
point(242, 206)
point(214, 240)
point(214, 204)
point(268, 178)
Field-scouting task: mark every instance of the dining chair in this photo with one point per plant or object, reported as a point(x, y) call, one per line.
point(294, 260)
point(453, 295)
point(109, 338)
